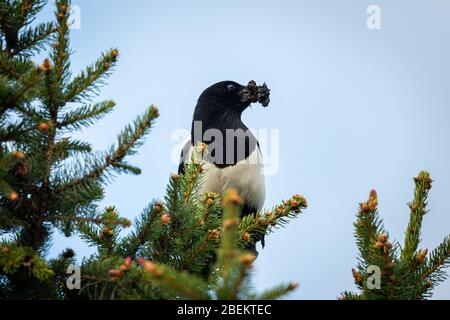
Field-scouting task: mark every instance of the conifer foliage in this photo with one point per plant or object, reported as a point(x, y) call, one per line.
point(190, 246)
point(187, 246)
point(49, 179)
point(388, 270)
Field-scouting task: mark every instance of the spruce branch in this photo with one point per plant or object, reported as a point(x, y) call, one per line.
point(209, 205)
point(278, 292)
point(14, 16)
point(52, 101)
point(182, 284)
point(116, 278)
point(26, 83)
point(143, 233)
point(133, 135)
point(85, 115)
point(14, 257)
point(10, 161)
point(232, 263)
point(173, 199)
point(7, 66)
point(34, 40)
point(237, 286)
point(406, 273)
point(347, 295)
point(87, 82)
point(7, 190)
point(11, 132)
point(264, 223)
point(60, 265)
point(61, 52)
point(128, 141)
point(418, 209)
point(434, 267)
point(18, 83)
point(94, 220)
point(190, 181)
point(67, 147)
point(103, 232)
point(198, 250)
point(368, 227)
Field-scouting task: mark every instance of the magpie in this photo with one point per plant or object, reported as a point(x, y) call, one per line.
point(233, 157)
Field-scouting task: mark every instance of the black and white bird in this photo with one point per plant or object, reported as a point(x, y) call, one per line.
point(233, 158)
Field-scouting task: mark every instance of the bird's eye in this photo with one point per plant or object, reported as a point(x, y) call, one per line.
point(231, 87)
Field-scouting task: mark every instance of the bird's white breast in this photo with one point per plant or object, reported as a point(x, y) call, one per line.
point(246, 177)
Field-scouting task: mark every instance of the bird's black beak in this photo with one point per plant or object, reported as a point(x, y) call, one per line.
point(254, 93)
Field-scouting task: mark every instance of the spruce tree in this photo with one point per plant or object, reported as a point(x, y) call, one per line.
point(48, 179)
point(173, 243)
point(388, 270)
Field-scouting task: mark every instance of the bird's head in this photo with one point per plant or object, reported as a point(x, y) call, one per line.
point(229, 97)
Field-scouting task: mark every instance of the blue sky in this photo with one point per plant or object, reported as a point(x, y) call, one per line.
point(356, 108)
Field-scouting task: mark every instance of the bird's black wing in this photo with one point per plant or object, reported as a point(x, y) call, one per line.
point(184, 157)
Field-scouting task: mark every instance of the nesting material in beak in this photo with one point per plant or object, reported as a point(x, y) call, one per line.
point(254, 93)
